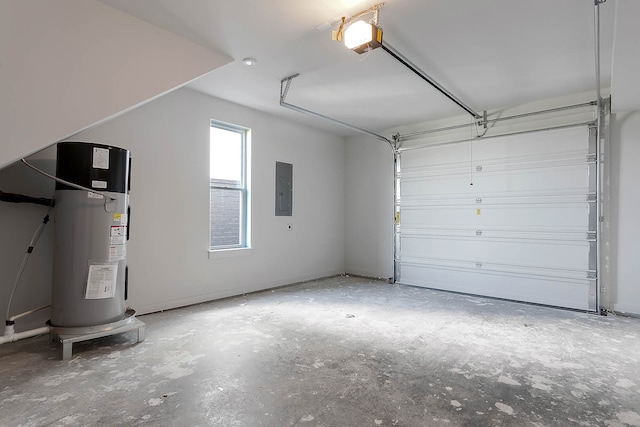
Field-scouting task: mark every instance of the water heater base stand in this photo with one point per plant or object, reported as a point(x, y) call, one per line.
point(69, 336)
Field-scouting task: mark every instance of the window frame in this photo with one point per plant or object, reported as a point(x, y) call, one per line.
point(242, 187)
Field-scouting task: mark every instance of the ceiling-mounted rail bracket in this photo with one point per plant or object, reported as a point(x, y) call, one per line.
point(483, 121)
point(337, 35)
point(373, 9)
point(396, 140)
point(285, 84)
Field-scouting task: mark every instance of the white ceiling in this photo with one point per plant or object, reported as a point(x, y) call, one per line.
point(491, 54)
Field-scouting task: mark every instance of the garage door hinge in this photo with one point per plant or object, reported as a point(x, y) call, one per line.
point(478, 200)
point(591, 158)
point(591, 197)
point(591, 235)
point(592, 275)
point(478, 232)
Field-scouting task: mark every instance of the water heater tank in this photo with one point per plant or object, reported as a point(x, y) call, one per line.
point(91, 233)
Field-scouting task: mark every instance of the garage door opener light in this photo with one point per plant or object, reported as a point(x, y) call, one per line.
point(360, 36)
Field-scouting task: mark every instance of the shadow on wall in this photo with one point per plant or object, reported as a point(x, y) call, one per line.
point(614, 200)
point(18, 223)
point(622, 176)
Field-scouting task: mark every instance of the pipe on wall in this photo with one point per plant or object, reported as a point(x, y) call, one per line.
point(11, 336)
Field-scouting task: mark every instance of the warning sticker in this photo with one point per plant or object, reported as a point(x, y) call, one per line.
point(117, 252)
point(100, 158)
point(101, 282)
point(123, 219)
point(118, 234)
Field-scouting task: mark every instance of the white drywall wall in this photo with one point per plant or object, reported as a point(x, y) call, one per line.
point(168, 255)
point(625, 176)
point(67, 64)
point(369, 207)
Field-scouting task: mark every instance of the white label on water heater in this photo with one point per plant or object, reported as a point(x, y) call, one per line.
point(98, 184)
point(101, 282)
point(117, 252)
point(100, 158)
point(92, 195)
point(118, 234)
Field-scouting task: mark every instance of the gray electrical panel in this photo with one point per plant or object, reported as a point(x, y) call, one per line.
point(284, 189)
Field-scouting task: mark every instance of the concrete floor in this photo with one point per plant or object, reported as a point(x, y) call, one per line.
point(337, 352)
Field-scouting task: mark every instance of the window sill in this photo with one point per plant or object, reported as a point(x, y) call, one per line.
point(229, 253)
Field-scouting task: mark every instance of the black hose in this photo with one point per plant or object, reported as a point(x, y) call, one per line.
point(21, 198)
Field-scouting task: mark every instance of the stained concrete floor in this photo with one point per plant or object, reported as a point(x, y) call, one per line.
point(344, 351)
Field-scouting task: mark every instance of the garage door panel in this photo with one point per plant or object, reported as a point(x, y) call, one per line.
point(565, 179)
point(561, 178)
point(441, 157)
point(513, 218)
point(570, 217)
point(568, 255)
point(434, 186)
point(491, 164)
point(532, 145)
point(575, 294)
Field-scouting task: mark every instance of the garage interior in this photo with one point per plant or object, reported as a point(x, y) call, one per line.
point(459, 242)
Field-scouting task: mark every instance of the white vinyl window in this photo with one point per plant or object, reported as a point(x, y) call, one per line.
point(229, 198)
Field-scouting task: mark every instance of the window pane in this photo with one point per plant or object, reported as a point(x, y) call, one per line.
point(226, 155)
point(228, 186)
point(226, 217)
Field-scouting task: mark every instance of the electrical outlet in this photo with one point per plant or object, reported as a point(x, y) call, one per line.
point(289, 227)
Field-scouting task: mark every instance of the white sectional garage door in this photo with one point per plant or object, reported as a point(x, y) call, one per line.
point(511, 217)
